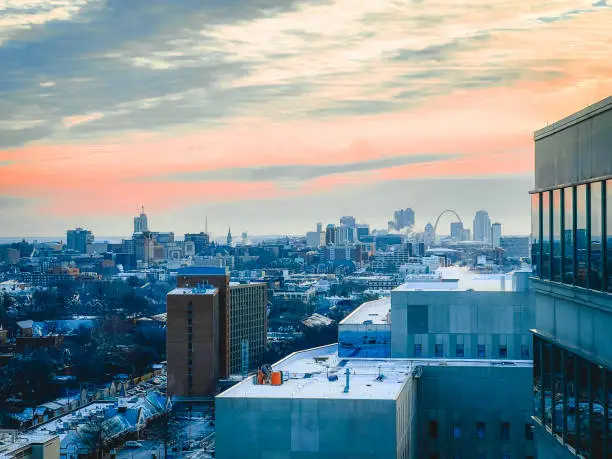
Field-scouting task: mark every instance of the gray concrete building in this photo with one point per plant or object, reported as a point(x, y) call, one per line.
point(463, 315)
point(572, 260)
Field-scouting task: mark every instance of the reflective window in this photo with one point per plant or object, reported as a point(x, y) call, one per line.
point(537, 378)
point(503, 351)
point(556, 235)
point(504, 431)
point(525, 351)
point(568, 235)
point(597, 421)
point(581, 236)
point(480, 430)
point(596, 269)
point(609, 231)
point(433, 429)
point(547, 382)
point(570, 406)
point(535, 233)
point(584, 428)
point(481, 351)
point(609, 398)
point(460, 350)
point(439, 350)
point(418, 350)
point(545, 268)
point(557, 387)
point(456, 430)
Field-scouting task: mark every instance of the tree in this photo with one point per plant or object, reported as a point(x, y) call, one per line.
point(93, 437)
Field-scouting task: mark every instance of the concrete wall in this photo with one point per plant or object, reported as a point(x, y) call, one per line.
point(251, 428)
point(578, 319)
point(577, 151)
point(470, 395)
point(448, 317)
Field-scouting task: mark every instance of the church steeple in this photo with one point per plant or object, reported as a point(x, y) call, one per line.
point(229, 236)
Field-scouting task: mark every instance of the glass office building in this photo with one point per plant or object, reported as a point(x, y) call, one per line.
point(571, 253)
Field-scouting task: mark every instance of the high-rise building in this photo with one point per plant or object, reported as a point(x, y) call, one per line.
point(192, 340)
point(242, 316)
point(572, 262)
point(347, 220)
point(467, 234)
point(331, 234)
point(496, 233)
point(363, 230)
point(201, 241)
point(319, 227)
point(141, 223)
point(248, 325)
point(77, 239)
point(429, 236)
point(456, 231)
point(482, 226)
point(515, 247)
point(403, 218)
point(143, 244)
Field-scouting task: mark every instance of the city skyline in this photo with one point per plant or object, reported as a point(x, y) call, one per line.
point(267, 118)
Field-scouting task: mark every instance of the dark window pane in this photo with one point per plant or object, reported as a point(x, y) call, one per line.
point(418, 350)
point(433, 429)
point(481, 351)
point(557, 371)
point(570, 392)
point(545, 268)
point(556, 236)
point(505, 430)
point(609, 230)
point(581, 236)
point(596, 271)
point(568, 236)
point(609, 398)
point(537, 375)
point(583, 405)
point(547, 382)
point(535, 233)
point(439, 350)
point(598, 421)
point(456, 430)
point(525, 351)
point(529, 432)
point(460, 350)
point(480, 430)
point(503, 351)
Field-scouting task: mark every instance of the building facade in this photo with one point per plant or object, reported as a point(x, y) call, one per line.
point(248, 326)
point(77, 239)
point(496, 234)
point(192, 341)
point(572, 262)
point(482, 226)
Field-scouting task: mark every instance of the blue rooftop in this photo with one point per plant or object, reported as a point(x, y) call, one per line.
point(201, 271)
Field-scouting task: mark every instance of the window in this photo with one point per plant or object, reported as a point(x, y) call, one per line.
point(456, 430)
point(529, 432)
point(596, 223)
point(481, 351)
point(535, 233)
point(547, 382)
point(459, 350)
point(556, 235)
point(503, 351)
point(608, 225)
point(525, 351)
point(418, 350)
point(505, 456)
point(545, 268)
point(504, 431)
point(433, 429)
point(439, 350)
point(568, 235)
point(581, 236)
point(537, 377)
point(480, 430)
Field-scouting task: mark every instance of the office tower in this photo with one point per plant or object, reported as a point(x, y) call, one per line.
point(192, 340)
point(248, 325)
point(245, 238)
point(456, 231)
point(496, 232)
point(429, 236)
point(482, 226)
point(330, 234)
point(403, 218)
point(164, 238)
point(363, 230)
point(313, 239)
point(201, 241)
point(467, 234)
point(347, 221)
point(77, 239)
point(319, 227)
point(141, 223)
point(572, 262)
point(515, 247)
point(343, 235)
point(143, 244)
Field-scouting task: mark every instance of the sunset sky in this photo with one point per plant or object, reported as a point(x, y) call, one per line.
point(271, 115)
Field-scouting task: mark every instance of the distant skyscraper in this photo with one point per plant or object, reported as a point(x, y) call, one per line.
point(496, 232)
point(467, 234)
point(330, 234)
point(403, 218)
point(77, 239)
point(245, 237)
point(319, 227)
point(482, 226)
point(229, 236)
point(201, 241)
point(429, 235)
point(363, 230)
point(456, 231)
point(347, 221)
point(141, 223)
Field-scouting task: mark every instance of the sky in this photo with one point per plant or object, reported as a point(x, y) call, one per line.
point(271, 115)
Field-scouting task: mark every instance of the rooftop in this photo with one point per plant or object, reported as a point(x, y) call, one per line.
point(575, 118)
point(204, 290)
point(311, 374)
point(460, 279)
point(376, 312)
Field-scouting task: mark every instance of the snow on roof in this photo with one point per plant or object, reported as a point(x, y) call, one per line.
point(460, 279)
point(317, 320)
point(25, 324)
point(194, 291)
point(375, 312)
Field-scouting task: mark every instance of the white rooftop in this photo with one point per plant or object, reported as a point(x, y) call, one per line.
point(460, 279)
point(377, 311)
point(306, 376)
point(193, 291)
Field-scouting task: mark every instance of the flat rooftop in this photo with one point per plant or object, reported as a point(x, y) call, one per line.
point(194, 271)
point(575, 118)
point(194, 291)
point(377, 312)
point(460, 279)
point(306, 376)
